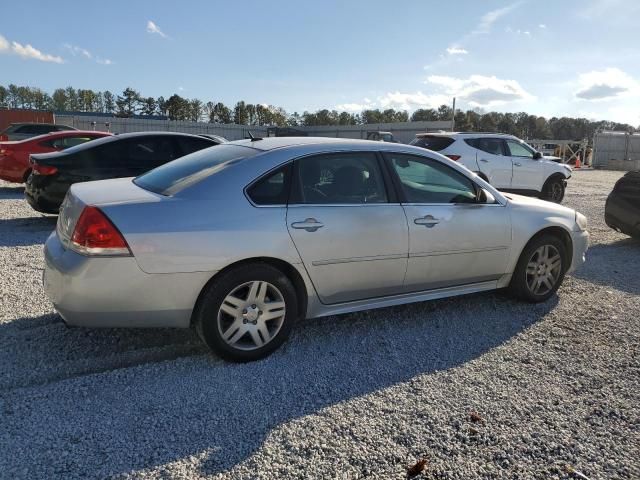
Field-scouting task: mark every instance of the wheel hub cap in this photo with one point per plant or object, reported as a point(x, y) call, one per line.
point(543, 270)
point(251, 315)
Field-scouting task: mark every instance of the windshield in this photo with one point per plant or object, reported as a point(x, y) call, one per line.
point(177, 175)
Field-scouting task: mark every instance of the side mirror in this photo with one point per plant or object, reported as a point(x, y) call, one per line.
point(537, 156)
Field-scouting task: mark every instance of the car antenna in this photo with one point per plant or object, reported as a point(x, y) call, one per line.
point(253, 139)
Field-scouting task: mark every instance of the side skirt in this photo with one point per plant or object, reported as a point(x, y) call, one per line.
point(317, 309)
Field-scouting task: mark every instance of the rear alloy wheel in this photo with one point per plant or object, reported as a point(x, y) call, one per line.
point(553, 190)
point(247, 313)
point(540, 269)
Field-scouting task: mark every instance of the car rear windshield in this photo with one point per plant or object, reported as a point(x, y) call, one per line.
point(179, 174)
point(432, 142)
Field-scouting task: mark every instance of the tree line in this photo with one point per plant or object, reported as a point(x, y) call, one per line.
point(131, 102)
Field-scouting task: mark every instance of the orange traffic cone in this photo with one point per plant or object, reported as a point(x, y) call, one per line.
point(577, 161)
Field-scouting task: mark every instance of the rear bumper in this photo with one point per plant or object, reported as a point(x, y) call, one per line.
point(114, 292)
point(580, 241)
point(622, 216)
point(45, 195)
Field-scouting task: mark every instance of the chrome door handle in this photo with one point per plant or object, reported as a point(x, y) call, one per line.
point(310, 225)
point(517, 164)
point(484, 160)
point(428, 221)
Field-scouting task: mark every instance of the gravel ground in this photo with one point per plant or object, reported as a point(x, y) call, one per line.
point(364, 395)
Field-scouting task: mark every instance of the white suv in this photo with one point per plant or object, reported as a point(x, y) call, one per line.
point(505, 161)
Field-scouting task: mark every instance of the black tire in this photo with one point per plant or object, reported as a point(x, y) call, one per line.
point(209, 316)
point(553, 190)
point(522, 279)
point(26, 175)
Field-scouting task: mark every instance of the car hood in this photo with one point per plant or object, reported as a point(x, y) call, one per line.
point(552, 158)
point(532, 203)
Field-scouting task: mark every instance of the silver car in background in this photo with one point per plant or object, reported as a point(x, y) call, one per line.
point(243, 239)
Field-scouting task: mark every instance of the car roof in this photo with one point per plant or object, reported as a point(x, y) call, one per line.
point(20, 124)
point(464, 134)
point(271, 143)
point(64, 134)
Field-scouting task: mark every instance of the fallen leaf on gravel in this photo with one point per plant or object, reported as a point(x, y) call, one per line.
point(417, 468)
point(575, 473)
point(473, 431)
point(475, 417)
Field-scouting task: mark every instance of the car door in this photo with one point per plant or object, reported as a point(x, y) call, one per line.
point(492, 160)
point(351, 234)
point(528, 173)
point(454, 238)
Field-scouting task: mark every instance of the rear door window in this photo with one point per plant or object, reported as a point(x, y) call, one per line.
point(494, 146)
point(339, 178)
point(433, 142)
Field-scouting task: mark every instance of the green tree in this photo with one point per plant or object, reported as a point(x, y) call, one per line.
point(149, 106)
point(109, 101)
point(128, 103)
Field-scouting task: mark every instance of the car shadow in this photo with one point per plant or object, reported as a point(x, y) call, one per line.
point(12, 193)
point(20, 232)
point(613, 265)
point(220, 413)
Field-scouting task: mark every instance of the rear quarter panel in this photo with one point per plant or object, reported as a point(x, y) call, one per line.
point(203, 230)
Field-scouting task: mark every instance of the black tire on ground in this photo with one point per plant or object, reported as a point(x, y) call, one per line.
point(553, 190)
point(209, 318)
point(531, 267)
point(25, 177)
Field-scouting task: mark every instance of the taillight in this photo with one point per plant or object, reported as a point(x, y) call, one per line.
point(38, 169)
point(455, 158)
point(94, 234)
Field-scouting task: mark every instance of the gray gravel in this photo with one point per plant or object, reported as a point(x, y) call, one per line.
point(357, 396)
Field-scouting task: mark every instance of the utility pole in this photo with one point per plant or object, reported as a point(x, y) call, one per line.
point(453, 115)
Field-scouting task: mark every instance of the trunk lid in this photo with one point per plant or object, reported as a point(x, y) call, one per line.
point(100, 193)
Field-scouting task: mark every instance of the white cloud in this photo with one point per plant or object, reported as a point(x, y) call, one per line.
point(605, 84)
point(480, 90)
point(4, 44)
point(489, 18)
point(456, 51)
point(355, 107)
point(104, 61)
point(75, 50)
point(412, 101)
point(542, 26)
point(27, 51)
point(153, 28)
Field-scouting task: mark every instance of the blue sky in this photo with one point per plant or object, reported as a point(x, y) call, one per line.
point(575, 57)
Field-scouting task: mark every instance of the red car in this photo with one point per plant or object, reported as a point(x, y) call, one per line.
point(14, 156)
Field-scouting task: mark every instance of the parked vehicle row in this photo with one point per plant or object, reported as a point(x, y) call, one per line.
point(22, 131)
point(14, 155)
point(125, 155)
point(505, 161)
point(243, 239)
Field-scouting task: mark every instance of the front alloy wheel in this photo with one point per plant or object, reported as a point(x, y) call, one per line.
point(540, 269)
point(543, 270)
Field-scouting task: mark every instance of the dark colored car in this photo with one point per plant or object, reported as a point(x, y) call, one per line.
point(22, 131)
point(622, 210)
point(219, 139)
point(127, 155)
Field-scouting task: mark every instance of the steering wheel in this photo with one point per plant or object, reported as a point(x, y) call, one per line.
point(315, 191)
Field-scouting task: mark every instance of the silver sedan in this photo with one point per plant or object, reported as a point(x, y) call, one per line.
point(243, 239)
